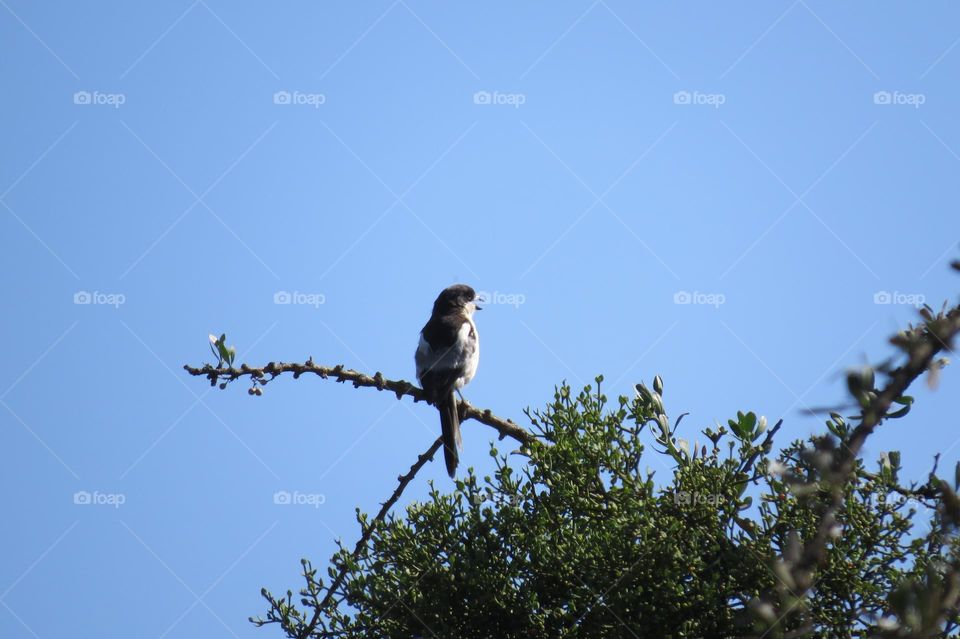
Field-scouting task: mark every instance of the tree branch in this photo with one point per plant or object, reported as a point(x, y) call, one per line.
point(921, 346)
point(368, 533)
point(263, 375)
point(223, 375)
point(934, 338)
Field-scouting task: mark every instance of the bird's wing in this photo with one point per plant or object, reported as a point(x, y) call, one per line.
point(445, 347)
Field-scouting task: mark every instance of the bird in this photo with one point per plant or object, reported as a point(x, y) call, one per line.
point(447, 357)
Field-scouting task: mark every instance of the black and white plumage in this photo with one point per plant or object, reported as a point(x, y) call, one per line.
point(447, 358)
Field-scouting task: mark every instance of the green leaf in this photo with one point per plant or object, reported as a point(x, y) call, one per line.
point(222, 347)
point(216, 346)
point(745, 425)
point(737, 429)
point(900, 413)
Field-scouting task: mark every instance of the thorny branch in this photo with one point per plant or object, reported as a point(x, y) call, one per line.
point(263, 375)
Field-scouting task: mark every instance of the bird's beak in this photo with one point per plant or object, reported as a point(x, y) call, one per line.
point(477, 306)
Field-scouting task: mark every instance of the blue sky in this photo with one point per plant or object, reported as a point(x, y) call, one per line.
point(788, 169)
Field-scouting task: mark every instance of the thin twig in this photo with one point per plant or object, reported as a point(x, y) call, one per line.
point(368, 533)
point(765, 447)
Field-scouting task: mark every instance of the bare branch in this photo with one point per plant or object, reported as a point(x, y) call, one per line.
point(368, 533)
point(265, 374)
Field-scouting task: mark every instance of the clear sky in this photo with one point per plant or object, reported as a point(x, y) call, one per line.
point(781, 166)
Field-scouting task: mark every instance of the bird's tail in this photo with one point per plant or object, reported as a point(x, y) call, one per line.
point(450, 427)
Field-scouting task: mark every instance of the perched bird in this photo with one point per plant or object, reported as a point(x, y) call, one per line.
point(447, 359)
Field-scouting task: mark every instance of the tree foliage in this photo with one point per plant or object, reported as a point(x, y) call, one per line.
point(580, 539)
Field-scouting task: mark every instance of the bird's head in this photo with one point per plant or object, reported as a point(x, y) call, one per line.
point(457, 297)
